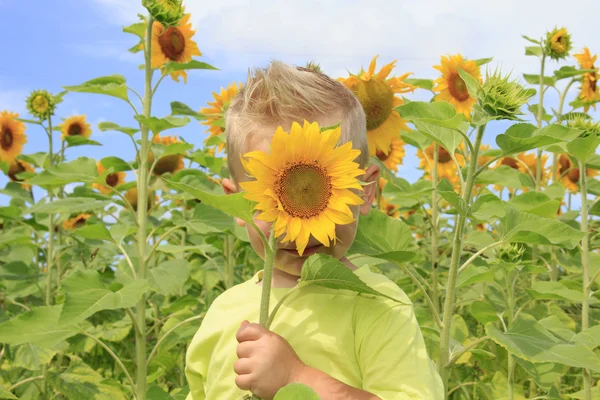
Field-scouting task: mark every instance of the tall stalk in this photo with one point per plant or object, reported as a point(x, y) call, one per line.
point(50, 259)
point(142, 210)
point(435, 296)
point(444, 356)
point(540, 116)
point(510, 303)
point(585, 266)
point(267, 278)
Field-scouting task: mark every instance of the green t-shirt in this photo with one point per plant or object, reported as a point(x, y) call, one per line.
point(367, 342)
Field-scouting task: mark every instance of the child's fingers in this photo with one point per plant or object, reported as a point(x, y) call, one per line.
point(244, 381)
point(242, 366)
point(245, 349)
point(249, 332)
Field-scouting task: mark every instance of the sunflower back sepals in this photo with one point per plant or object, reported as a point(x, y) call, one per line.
point(557, 43)
point(502, 97)
point(167, 12)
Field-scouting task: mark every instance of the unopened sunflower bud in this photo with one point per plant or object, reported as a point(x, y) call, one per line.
point(41, 104)
point(504, 97)
point(557, 43)
point(167, 12)
point(510, 252)
point(585, 125)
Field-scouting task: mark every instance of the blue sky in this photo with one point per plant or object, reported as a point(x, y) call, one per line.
point(50, 44)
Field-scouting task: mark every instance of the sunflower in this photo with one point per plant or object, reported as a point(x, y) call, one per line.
point(451, 86)
point(167, 12)
point(558, 43)
point(376, 93)
point(569, 174)
point(15, 168)
point(589, 86)
point(41, 104)
point(528, 165)
point(75, 126)
point(76, 222)
point(131, 196)
point(304, 185)
point(12, 136)
point(217, 109)
point(171, 163)
point(112, 180)
point(446, 167)
point(173, 44)
point(394, 156)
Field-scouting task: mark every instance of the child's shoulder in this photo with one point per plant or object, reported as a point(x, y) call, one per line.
point(381, 283)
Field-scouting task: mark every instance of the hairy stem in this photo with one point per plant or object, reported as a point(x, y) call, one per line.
point(434, 233)
point(540, 116)
point(585, 266)
point(267, 277)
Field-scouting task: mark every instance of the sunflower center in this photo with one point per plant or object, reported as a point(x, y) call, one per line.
point(304, 189)
point(6, 138)
point(511, 162)
point(377, 99)
point(80, 221)
point(559, 44)
point(75, 129)
point(112, 180)
point(15, 169)
point(172, 43)
point(573, 175)
point(443, 155)
point(563, 164)
point(382, 156)
point(40, 103)
point(592, 79)
point(458, 87)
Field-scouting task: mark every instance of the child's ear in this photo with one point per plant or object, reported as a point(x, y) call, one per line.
point(229, 188)
point(371, 176)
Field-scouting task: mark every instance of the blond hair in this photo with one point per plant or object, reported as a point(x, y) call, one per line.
point(281, 94)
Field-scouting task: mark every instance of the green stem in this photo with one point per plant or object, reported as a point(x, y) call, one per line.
point(540, 116)
point(267, 277)
point(585, 266)
point(167, 333)
point(140, 337)
point(50, 258)
point(434, 232)
point(509, 316)
point(444, 356)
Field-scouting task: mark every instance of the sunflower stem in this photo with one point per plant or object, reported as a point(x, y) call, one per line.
point(449, 302)
point(585, 266)
point(267, 278)
point(142, 209)
point(540, 116)
point(434, 233)
point(510, 317)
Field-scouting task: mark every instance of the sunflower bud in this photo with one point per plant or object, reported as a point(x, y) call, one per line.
point(558, 43)
point(586, 125)
point(167, 12)
point(510, 252)
point(504, 97)
point(41, 104)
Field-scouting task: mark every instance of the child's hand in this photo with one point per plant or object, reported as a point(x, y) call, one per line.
point(266, 362)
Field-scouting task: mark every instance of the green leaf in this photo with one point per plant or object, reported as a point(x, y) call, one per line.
point(138, 29)
point(529, 340)
point(568, 72)
point(176, 148)
point(296, 391)
point(438, 120)
point(581, 394)
point(589, 337)
point(174, 67)
point(207, 219)
point(10, 212)
point(584, 148)
point(484, 312)
point(169, 277)
point(113, 85)
point(483, 61)
point(155, 392)
point(73, 141)
point(79, 381)
point(505, 176)
point(85, 294)
point(111, 126)
point(422, 83)
point(326, 271)
point(113, 332)
point(446, 190)
point(582, 103)
point(69, 205)
point(535, 203)
point(178, 108)
point(535, 79)
point(6, 394)
point(473, 87)
point(158, 125)
point(234, 204)
point(487, 207)
point(94, 232)
point(38, 326)
point(544, 374)
point(528, 228)
point(534, 51)
point(522, 137)
point(533, 109)
point(116, 164)
point(82, 169)
point(32, 357)
point(554, 291)
point(473, 275)
point(383, 237)
point(530, 39)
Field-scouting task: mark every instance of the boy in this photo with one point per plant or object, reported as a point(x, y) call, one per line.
point(342, 345)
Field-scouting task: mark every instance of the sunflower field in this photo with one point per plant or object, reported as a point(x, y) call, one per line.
point(107, 266)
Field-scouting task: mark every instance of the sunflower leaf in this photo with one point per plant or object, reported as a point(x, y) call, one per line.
point(111, 126)
point(180, 109)
point(583, 148)
point(94, 232)
point(82, 169)
point(569, 72)
point(534, 51)
point(73, 141)
point(113, 85)
point(473, 87)
point(69, 205)
point(530, 39)
point(534, 79)
point(138, 29)
point(116, 164)
point(158, 125)
point(329, 272)
point(38, 326)
point(421, 83)
point(522, 137)
point(446, 190)
point(505, 176)
point(194, 64)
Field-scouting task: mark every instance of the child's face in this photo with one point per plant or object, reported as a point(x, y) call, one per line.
point(287, 258)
